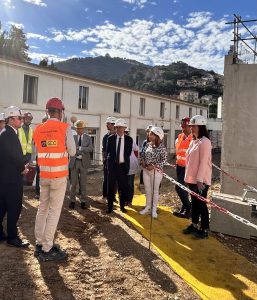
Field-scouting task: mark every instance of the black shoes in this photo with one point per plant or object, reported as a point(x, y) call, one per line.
point(201, 234)
point(17, 242)
point(123, 210)
point(184, 214)
point(72, 205)
point(190, 229)
point(37, 196)
point(84, 205)
point(38, 249)
point(55, 254)
point(3, 237)
point(109, 210)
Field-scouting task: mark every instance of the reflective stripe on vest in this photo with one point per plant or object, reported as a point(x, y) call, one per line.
point(181, 149)
point(50, 140)
point(26, 145)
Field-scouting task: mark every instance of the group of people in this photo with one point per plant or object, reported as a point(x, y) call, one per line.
point(62, 153)
point(121, 163)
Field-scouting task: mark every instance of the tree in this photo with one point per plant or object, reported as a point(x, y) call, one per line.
point(13, 44)
point(44, 62)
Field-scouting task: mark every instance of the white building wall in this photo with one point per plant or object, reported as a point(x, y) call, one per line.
point(52, 83)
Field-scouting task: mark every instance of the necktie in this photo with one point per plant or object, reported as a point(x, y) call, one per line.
point(80, 141)
point(118, 152)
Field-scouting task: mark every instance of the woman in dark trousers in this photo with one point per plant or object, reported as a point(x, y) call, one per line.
point(198, 175)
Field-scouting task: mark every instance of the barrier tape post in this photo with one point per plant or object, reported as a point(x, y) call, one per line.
point(151, 220)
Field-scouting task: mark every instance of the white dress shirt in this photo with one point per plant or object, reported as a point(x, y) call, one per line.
point(121, 160)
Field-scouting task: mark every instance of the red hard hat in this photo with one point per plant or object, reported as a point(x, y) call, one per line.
point(185, 120)
point(55, 103)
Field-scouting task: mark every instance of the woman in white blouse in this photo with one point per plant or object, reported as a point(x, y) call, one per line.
point(153, 158)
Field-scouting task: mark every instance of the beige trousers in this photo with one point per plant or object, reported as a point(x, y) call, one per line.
point(52, 192)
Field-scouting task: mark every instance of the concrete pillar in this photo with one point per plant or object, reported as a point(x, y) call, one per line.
point(239, 136)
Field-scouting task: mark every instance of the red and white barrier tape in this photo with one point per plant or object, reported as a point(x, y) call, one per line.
point(208, 201)
point(249, 187)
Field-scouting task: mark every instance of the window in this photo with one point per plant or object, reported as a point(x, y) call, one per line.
point(162, 108)
point(201, 112)
point(83, 97)
point(190, 112)
point(142, 107)
point(177, 111)
point(117, 97)
point(30, 89)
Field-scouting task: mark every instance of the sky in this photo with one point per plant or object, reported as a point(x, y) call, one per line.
point(154, 32)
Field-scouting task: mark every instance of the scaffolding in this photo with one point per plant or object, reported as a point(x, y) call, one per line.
point(244, 41)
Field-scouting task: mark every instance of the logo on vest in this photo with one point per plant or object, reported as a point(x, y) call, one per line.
point(49, 143)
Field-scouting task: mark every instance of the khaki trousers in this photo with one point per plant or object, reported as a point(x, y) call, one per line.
point(52, 192)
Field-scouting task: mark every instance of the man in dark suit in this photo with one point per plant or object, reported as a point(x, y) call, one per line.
point(118, 151)
point(12, 168)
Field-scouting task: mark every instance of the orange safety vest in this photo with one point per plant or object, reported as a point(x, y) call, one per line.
point(49, 138)
point(182, 145)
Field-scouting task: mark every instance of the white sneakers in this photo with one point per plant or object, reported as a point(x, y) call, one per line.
point(147, 211)
point(154, 214)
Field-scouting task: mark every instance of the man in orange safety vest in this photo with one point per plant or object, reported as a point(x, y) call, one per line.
point(54, 142)
point(182, 144)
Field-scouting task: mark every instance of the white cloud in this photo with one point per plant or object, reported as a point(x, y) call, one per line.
point(139, 3)
point(198, 19)
point(37, 36)
point(18, 25)
point(155, 43)
point(86, 9)
point(9, 4)
point(36, 2)
point(99, 11)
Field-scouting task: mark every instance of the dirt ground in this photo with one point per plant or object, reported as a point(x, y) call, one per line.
point(108, 258)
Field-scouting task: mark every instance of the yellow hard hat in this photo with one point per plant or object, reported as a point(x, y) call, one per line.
point(80, 124)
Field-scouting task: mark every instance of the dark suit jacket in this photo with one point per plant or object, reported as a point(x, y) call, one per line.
point(111, 151)
point(11, 157)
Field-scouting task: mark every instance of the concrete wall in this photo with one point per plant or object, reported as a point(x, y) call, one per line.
point(239, 138)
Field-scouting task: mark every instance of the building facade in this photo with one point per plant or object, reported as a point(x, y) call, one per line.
point(29, 86)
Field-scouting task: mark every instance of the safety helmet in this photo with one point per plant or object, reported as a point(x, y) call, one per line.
point(121, 123)
point(73, 119)
point(198, 120)
point(2, 117)
point(55, 103)
point(158, 131)
point(111, 120)
point(80, 124)
point(27, 114)
point(12, 111)
point(149, 127)
point(185, 121)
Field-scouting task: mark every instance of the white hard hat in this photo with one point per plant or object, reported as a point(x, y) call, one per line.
point(158, 131)
point(12, 111)
point(2, 117)
point(110, 120)
point(149, 127)
point(121, 123)
point(198, 120)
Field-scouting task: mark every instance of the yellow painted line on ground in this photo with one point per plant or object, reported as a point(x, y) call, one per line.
point(211, 269)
